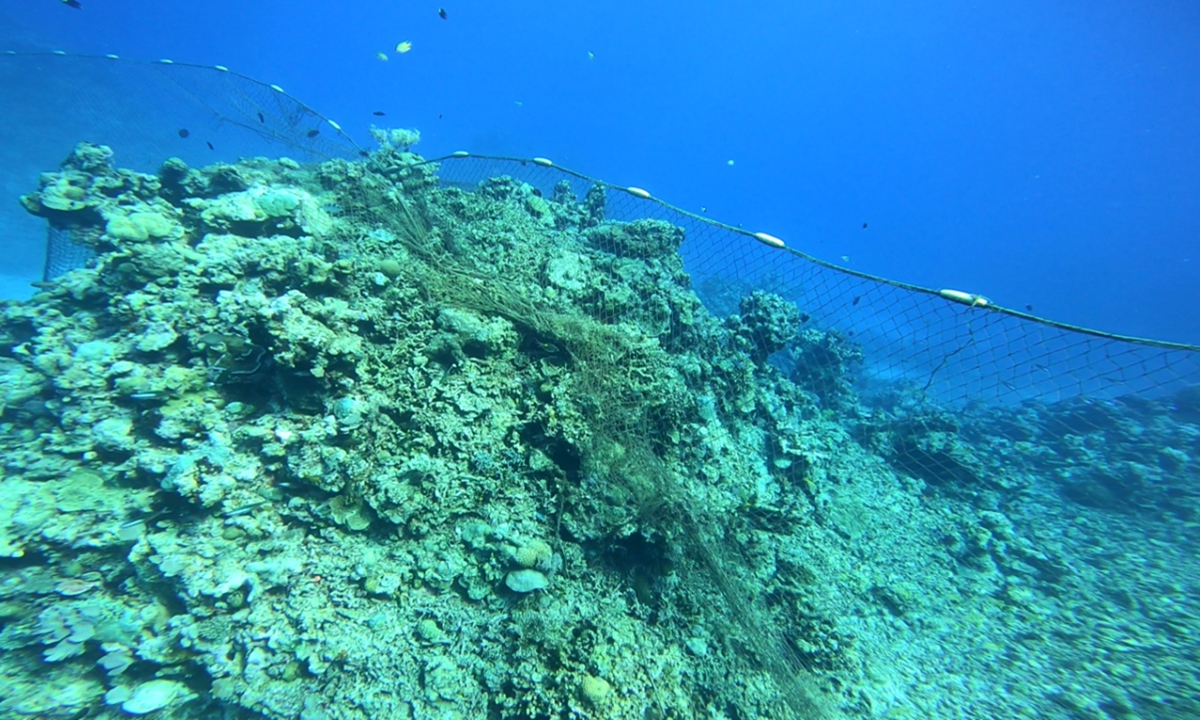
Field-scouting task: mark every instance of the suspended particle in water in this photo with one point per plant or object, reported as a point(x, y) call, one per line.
point(183, 132)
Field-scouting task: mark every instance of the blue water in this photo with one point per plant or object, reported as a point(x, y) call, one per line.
point(1041, 154)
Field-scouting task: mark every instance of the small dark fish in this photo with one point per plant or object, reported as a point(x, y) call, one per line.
point(439, 116)
point(804, 317)
point(378, 113)
point(1029, 308)
point(183, 132)
point(73, 3)
point(261, 119)
point(442, 13)
point(856, 300)
point(537, 192)
point(864, 226)
point(849, 333)
point(210, 147)
point(364, 153)
point(313, 133)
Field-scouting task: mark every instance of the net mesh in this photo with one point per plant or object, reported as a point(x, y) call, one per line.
point(902, 338)
point(912, 371)
point(907, 338)
point(198, 113)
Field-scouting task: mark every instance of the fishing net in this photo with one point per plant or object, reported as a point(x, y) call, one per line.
point(941, 383)
point(948, 346)
point(147, 112)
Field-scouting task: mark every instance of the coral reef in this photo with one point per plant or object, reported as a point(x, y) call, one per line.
point(427, 443)
point(338, 441)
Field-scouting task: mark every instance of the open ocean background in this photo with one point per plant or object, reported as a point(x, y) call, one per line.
point(1038, 153)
